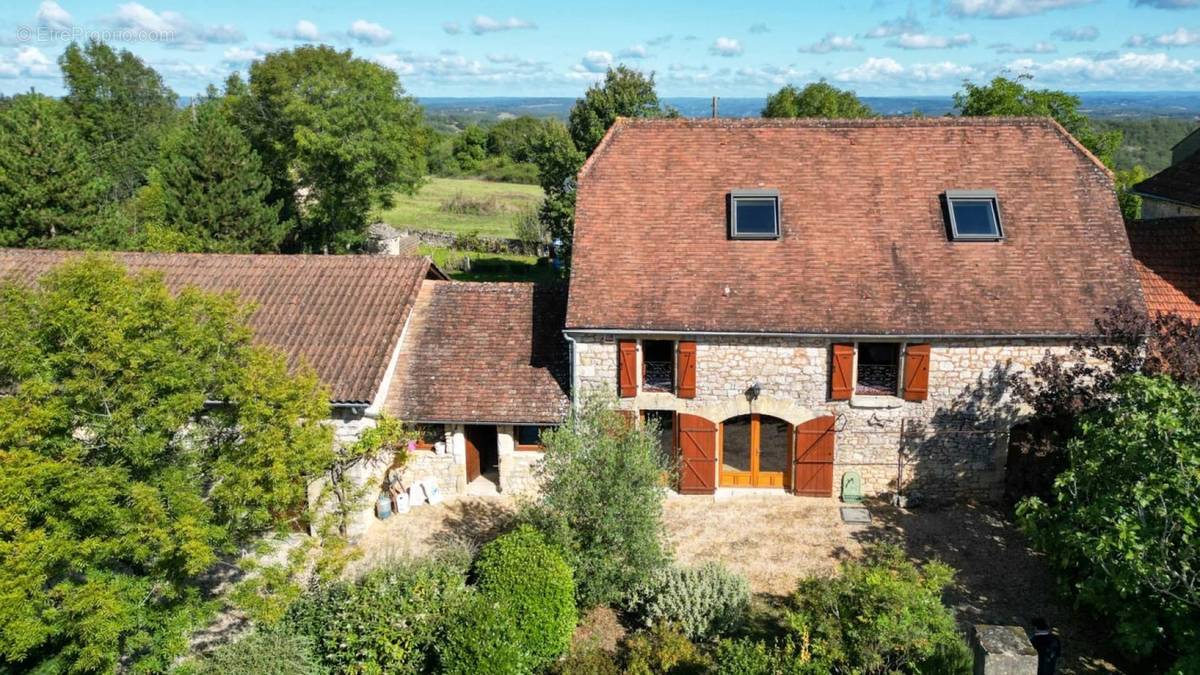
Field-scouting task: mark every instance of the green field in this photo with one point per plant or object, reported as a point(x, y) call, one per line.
point(425, 210)
point(489, 266)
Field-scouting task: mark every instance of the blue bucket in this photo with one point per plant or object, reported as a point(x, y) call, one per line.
point(383, 507)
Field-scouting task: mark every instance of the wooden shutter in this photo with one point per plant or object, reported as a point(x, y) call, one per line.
point(697, 440)
point(812, 467)
point(841, 373)
point(627, 368)
point(687, 370)
point(916, 372)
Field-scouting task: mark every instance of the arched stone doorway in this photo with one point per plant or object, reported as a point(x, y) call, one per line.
point(755, 451)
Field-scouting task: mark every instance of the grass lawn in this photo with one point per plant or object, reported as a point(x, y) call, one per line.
point(489, 266)
point(423, 211)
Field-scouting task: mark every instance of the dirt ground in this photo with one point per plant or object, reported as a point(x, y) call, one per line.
point(775, 539)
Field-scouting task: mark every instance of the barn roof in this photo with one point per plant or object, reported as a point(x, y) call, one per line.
point(1167, 251)
point(1178, 183)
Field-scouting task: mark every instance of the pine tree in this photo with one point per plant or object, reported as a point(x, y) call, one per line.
point(214, 188)
point(49, 186)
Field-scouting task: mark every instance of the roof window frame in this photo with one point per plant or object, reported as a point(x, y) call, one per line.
point(973, 195)
point(735, 195)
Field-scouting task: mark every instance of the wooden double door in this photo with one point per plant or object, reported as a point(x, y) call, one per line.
point(754, 452)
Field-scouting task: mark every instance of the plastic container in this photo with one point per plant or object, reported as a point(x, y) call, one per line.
point(383, 507)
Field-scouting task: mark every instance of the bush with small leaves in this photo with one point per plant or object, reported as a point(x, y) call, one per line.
point(593, 661)
point(663, 650)
point(701, 601)
point(533, 584)
point(263, 653)
point(482, 637)
point(745, 656)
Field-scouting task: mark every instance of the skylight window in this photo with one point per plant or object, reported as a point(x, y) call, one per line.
point(754, 214)
point(974, 215)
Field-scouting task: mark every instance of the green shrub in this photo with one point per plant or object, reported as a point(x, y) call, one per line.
point(531, 581)
point(745, 656)
point(1123, 528)
point(701, 601)
point(504, 170)
point(601, 501)
point(387, 621)
point(265, 653)
point(481, 637)
point(880, 615)
point(529, 228)
point(663, 650)
point(593, 661)
point(471, 205)
point(469, 241)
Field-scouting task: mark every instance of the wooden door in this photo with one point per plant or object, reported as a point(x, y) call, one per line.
point(472, 458)
point(755, 452)
point(697, 443)
point(812, 472)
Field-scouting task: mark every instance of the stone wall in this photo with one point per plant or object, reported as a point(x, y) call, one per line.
point(1159, 208)
point(516, 466)
point(951, 446)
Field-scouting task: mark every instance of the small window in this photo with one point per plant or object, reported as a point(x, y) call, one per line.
point(529, 436)
point(754, 214)
point(428, 434)
point(974, 214)
point(658, 365)
point(878, 369)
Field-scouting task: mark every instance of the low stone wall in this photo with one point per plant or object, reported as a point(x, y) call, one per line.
point(517, 471)
point(486, 243)
point(429, 465)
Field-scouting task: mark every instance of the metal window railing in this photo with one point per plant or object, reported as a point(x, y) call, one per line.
point(877, 380)
point(659, 376)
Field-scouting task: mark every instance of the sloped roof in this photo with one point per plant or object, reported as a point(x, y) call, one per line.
point(340, 314)
point(1167, 252)
point(483, 352)
point(864, 249)
point(1177, 183)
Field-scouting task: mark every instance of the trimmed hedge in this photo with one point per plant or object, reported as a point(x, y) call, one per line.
point(268, 653)
point(481, 637)
point(529, 580)
point(702, 601)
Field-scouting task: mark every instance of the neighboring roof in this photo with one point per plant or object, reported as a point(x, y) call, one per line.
point(340, 314)
point(1168, 259)
point(1178, 183)
point(483, 352)
point(864, 249)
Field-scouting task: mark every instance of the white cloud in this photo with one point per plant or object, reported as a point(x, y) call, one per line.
point(1118, 68)
point(486, 24)
point(885, 69)
point(725, 46)
point(28, 62)
point(449, 68)
point(451, 27)
point(1008, 9)
point(51, 15)
point(172, 28)
point(1168, 4)
point(595, 62)
point(235, 57)
point(369, 33)
point(634, 52)
point(926, 41)
point(1077, 34)
point(897, 26)
point(1180, 37)
point(1035, 48)
point(830, 43)
point(303, 31)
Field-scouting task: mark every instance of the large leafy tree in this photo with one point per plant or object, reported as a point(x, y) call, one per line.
point(214, 190)
point(120, 483)
point(49, 186)
point(337, 135)
point(1004, 96)
point(1123, 523)
point(122, 107)
point(625, 92)
point(558, 161)
point(817, 99)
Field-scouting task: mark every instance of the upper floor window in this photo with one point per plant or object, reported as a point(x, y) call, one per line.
point(974, 215)
point(754, 214)
point(658, 365)
point(878, 372)
point(529, 437)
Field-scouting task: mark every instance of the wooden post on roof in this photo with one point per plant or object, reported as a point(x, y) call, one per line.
point(714, 107)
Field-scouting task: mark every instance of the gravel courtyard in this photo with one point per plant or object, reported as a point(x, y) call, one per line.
point(776, 539)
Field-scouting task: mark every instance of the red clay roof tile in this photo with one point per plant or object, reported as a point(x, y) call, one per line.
point(1168, 260)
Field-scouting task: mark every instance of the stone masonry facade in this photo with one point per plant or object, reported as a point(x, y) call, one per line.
point(951, 446)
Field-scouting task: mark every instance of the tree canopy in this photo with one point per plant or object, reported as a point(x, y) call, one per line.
point(625, 92)
point(817, 99)
point(120, 483)
point(337, 135)
point(213, 187)
point(49, 186)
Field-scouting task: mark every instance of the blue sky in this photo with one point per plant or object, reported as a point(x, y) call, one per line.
point(700, 48)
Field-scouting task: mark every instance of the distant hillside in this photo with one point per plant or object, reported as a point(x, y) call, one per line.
point(1147, 141)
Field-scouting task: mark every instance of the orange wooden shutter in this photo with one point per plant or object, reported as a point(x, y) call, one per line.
point(813, 460)
point(916, 372)
point(687, 370)
point(841, 376)
point(627, 368)
point(697, 441)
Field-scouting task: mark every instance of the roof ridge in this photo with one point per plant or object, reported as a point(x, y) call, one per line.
point(822, 122)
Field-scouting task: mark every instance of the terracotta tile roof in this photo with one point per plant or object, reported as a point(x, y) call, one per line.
point(340, 314)
point(1177, 183)
point(1168, 260)
point(483, 352)
point(864, 247)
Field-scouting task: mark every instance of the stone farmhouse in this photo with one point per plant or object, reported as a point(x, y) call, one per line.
point(1174, 191)
point(807, 306)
